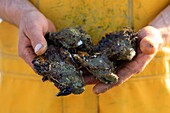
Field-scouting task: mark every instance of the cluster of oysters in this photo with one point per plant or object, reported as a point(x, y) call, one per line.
point(71, 50)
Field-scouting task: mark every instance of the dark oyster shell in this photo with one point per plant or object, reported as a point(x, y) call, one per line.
point(72, 39)
point(119, 45)
point(100, 66)
point(52, 66)
point(63, 61)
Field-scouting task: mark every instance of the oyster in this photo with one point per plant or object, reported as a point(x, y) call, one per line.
point(71, 50)
point(52, 66)
point(57, 64)
point(119, 45)
point(72, 39)
point(100, 66)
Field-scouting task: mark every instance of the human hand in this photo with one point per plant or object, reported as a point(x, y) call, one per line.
point(150, 41)
point(32, 28)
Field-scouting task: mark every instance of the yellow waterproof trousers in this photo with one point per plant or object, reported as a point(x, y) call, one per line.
point(22, 91)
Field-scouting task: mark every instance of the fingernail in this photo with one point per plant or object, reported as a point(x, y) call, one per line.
point(38, 47)
point(149, 46)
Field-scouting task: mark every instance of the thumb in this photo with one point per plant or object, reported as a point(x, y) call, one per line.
point(148, 45)
point(38, 42)
point(151, 40)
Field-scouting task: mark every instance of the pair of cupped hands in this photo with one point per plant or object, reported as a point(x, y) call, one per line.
point(34, 25)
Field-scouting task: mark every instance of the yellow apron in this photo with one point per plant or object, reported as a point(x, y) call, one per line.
point(22, 91)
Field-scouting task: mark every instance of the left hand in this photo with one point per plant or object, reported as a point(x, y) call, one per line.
point(33, 25)
point(150, 41)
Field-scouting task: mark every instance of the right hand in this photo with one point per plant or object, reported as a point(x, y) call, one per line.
point(32, 28)
point(150, 41)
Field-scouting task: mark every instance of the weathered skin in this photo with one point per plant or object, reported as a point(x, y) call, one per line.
point(71, 49)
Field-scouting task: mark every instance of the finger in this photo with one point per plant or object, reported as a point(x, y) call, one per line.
point(127, 71)
point(148, 45)
point(36, 36)
point(88, 79)
point(28, 56)
point(101, 87)
point(25, 50)
point(150, 40)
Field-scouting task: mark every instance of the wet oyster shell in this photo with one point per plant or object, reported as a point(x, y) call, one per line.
point(65, 76)
point(118, 45)
point(100, 66)
point(71, 49)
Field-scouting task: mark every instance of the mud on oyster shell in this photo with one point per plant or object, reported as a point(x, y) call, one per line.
point(62, 62)
point(72, 39)
point(64, 75)
point(100, 66)
point(118, 45)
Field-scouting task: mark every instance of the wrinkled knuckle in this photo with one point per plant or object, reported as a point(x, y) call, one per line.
point(30, 28)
